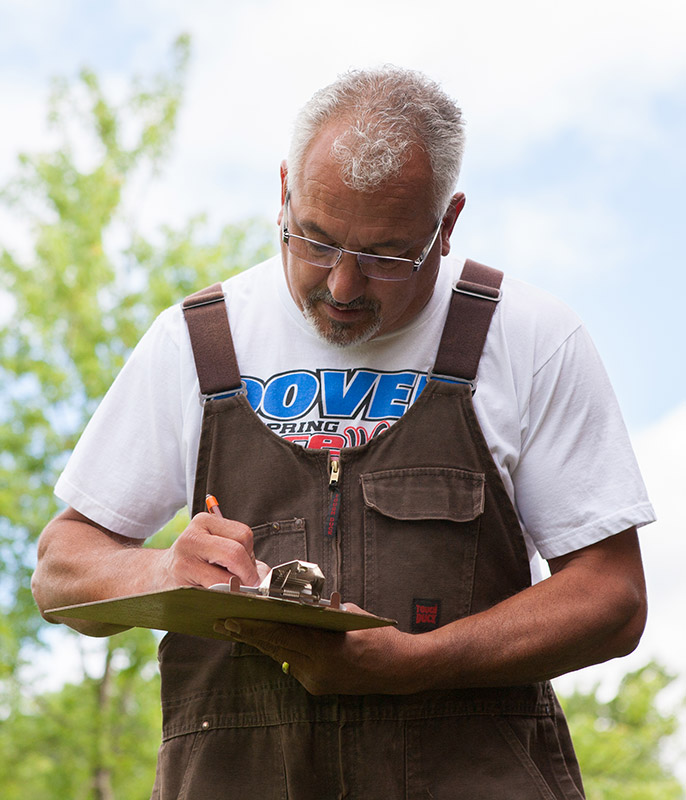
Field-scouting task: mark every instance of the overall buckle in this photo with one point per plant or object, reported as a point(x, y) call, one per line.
point(242, 389)
point(435, 376)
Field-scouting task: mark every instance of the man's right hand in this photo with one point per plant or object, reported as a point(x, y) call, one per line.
point(211, 550)
point(80, 562)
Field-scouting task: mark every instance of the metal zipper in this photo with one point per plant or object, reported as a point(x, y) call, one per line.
point(334, 499)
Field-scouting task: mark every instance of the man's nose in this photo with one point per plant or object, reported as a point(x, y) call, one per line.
point(346, 283)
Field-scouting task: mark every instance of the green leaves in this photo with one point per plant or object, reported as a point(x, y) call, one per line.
point(85, 287)
point(620, 743)
point(75, 298)
point(93, 738)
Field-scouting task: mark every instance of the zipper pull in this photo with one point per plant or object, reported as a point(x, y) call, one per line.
point(335, 500)
point(334, 473)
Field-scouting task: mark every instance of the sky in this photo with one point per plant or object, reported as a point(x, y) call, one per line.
point(574, 170)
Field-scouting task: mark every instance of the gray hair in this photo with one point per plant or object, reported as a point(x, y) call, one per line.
point(389, 110)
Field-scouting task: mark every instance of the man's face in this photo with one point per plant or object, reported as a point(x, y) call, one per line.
point(343, 306)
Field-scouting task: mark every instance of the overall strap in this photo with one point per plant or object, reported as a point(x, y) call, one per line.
point(474, 298)
point(213, 351)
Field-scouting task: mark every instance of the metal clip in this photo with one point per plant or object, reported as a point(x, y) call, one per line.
point(434, 376)
point(301, 581)
point(242, 389)
point(295, 580)
point(204, 300)
point(472, 291)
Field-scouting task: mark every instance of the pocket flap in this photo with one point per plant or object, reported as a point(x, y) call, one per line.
point(425, 493)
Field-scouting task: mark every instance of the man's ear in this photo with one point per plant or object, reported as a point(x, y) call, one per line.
point(283, 172)
point(455, 207)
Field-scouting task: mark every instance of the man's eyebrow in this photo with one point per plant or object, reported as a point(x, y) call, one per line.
point(313, 227)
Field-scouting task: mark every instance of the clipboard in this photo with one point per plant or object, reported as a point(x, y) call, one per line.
point(287, 595)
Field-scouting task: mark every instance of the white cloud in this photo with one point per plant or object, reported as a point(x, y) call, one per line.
point(543, 234)
point(660, 451)
point(538, 68)
point(524, 72)
point(27, 132)
point(34, 23)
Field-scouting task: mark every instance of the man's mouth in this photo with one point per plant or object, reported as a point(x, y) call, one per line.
point(342, 324)
point(354, 311)
point(349, 313)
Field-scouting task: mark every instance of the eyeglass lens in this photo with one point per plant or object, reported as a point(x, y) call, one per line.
point(323, 255)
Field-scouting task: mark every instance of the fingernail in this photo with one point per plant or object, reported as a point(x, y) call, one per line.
point(232, 625)
point(218, 627)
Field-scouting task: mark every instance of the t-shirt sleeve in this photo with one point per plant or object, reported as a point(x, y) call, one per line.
point(577, 480)
point(127, 470)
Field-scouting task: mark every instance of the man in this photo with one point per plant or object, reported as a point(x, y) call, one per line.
point(362, 438)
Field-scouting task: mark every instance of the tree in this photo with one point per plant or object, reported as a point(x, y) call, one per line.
point(621, 743)
point(72, 310)
point(95, 738)
point(78, 306)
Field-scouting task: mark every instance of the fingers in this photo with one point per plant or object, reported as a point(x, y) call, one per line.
point(225, 528)
point(379, 661)
point(301, 648)
point(262, 569)
point(271, 637)
point(288, 659)
point(278, 641)
point(212, 550)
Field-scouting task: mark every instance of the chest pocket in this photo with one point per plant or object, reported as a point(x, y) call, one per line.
point(278, 542)
point(421, 528)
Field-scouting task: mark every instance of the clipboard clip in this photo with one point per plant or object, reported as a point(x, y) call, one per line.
point(295, 580)
point(299, 581)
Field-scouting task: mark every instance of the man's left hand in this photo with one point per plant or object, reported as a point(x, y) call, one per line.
point(376, 661)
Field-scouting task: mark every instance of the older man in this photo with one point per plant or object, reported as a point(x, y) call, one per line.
point(416, 425)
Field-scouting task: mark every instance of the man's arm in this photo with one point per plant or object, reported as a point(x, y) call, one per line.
point(80, 561)
point(591, 609)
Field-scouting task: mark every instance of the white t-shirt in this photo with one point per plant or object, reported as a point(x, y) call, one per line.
point(543, 400)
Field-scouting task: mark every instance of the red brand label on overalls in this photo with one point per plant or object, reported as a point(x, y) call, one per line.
point(425, 615)
point(332, 519)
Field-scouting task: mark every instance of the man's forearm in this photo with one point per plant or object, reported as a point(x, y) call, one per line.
point(593, 608)
point(77, 563)
point(590, 610)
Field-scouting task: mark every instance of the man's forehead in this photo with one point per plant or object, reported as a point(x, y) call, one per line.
point(320, 191)
point(414, 163)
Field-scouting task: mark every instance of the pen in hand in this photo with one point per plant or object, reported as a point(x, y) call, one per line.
point(213, 508)
point(263, 570)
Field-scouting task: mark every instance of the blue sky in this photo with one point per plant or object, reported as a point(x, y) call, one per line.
point(574, 171)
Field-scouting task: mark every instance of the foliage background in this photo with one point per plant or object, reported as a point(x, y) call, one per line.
point(74, 306)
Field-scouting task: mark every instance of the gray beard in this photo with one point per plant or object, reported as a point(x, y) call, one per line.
point(341, 334)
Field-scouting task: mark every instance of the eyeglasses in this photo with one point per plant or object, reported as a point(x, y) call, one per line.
point(382, 268)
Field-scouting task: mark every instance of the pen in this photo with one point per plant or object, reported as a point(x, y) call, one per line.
point(213, 506)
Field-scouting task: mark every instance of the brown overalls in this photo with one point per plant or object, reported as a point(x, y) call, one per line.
point(425, 534)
